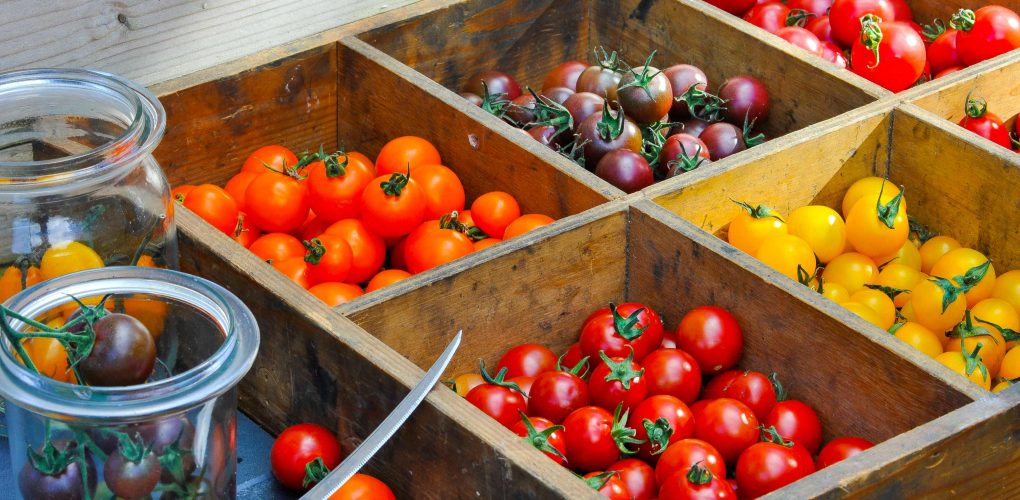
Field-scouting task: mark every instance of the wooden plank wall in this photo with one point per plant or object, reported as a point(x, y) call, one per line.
point(151, 41)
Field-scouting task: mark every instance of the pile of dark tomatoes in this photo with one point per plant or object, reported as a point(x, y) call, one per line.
point(631, 125)
point(626, 407)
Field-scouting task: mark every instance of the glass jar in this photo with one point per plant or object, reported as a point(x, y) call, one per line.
point(79, 187)
point(184, 414)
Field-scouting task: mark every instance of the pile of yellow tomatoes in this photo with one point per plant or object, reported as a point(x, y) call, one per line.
point(929, 291)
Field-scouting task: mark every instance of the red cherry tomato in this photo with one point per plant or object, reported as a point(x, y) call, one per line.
point(276, 202)
point(273, 157)
point(573, 356)
point(769, 16)
point(943, 53)
point(660, 421)
point(818, 8)
point(498, 400)
point(841, 449)
point(368, 250)
point(544, 435)
point(393, 205)
point(712, 337)
point(620, 330)
point(405, 153)
point(845, 17)
point(213, 205)
point(822, 28)
point(363, 487)
point(617, 381)
point(752, 388)
point(985, 33)
point(443, 190)
point(493, 212)
point(735, 7)
point(765, 467)
point(245, 233)
point(797, 422)
point(591, 445)
point(681, 455)
point(335, 186)
point(298, 445)
point(607, 484)
point(802, 38)
point(831, 53)
point(527, 359)
point(556, 394)
point(329, 259)
point(890, 54)
point(672, 372)
point(638, 479)
point(729, 426)
point(237, 185)
point(698, 483)
point(982, 122)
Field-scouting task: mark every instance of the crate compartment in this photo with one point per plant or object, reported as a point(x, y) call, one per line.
point(527, 38)
point(543, 292)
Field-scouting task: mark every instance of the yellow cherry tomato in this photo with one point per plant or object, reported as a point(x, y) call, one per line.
point(868, 186)
point(933, 250)
point(1007, 287)
point(66, 258)
point(11, 282)
point(787, 254)
point(993, 348)
point(957, 263)
point(1010, 367)
point(958, 362)
point(852, 270)
point(927, 303)
point(907, 311)
point(151, 312)
point(865, 312)
point(835, 292)
point(463, 384)
point(753, 225)
point(1001, 386)
point(907, 255)
point(900, 277)
point(878, 302)
point(920, 338)
point(821, 227)
point(48, 355)
point(993, 313)
point(877, 225)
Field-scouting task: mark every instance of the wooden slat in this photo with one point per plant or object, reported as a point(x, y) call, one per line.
point(995, 84)
point(315, 366)
point(155, 40)
point(925, 11)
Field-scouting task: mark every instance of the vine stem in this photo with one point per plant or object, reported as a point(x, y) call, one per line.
point(12, 336)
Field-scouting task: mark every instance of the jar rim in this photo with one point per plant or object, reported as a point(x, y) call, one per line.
point(138, 139)
point(221, 371)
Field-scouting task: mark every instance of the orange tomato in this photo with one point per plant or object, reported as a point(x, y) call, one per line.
point(313, 228)
point(296, 269)
point(444, 192)
point(929, 310)
point(213, 205)
point(486, 243)
point(993, 314)
point(902, 277)
point(526, 223)
point(1010, 368)
point(368, 249)
point(464, 216)
point(432, 248)
point(334, 294)
point(877, 224)
point(852, 270)
point(276, 202)
point(933, 250)
point(11, 281)
point(363, 487)
point(179, 193)
point(974, 371)
point(405, 153)
point(957, 263)
point(868, 186)
point(393, 205)
point(275, 247)
point(878, 302)
point(334, 189)
point(463, 383)
point(397, 254)
point(245, 233)
point(494, 211)
point(920, 338)
point(1007, 287)
point(789, 255)
point(273, 157)
point(907, 255)
point(822, 228)
point(753, 225)
point(66, 258)
point(237, 185)
point(386, 278)
point(49, 357)
point(329, 259)
point(865, 312)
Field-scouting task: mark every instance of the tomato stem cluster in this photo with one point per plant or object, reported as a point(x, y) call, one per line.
point(540, 439)
point(871, 36)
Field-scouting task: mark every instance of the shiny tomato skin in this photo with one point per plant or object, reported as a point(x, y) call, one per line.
point(801, 37)
point(845, 16)
point(393, 215)
point(766, 467)
point(672, 372)
point(989, 126)
point(599, 333)
point(681, 455)
point(573, 356)
point(590, 445)
point(501, 403)
point(818, 8)
point(363, 487)
point(735, 7)
point(729, 426)
point(638, 479)
point(564, 75)
point(405, 153)
point(996, 31)
point(840, 449)
point(236, 186)
point(769, 16)
point(386, 278)
point(273, 157)
point(712, 336)
point(334, 294)
point(679, 487)
point(556, 394)
point(494, 211)
point(433, 248)
point(527, 359)
point(339, 197)
point(368, 249)
point(295, 269)
point(797, 422)
point(609, 393)
point(214, 205)
point(943, 52)
point(298, 445)
point(443, 190)
point(274, 247)
point(245, 233)
point(276, 202)
point(676, 413)
point(613, 489)
point(752, 388)
point(555, 440)
point(901, 57)
point(334, 263)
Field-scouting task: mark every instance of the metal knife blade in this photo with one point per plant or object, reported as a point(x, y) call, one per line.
point(357, 459)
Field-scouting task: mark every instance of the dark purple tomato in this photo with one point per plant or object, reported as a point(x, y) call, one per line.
point(131, 479)
point(546, 134)
point(600, 81)
point(745, 97)
point(124, 352)
point(681, 78)
point(564, 75)
point(162, 434)
point(521, 110)
point(472, 98)
point(723, 139)
point(682, 152)
point(63, 484)
point(604, 132)
point(496, 81)
point(692, 126)
point(558, 95)
point(645, 94)
point(582, 105)
point(626, 170)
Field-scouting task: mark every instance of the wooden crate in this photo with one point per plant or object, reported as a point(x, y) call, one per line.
point(939, 433)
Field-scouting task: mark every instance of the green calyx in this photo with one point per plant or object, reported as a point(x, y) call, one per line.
point(798, 17)
point(552, 113)
point(684, 162)
point(658, 433)
point(623, 435)
point(887, 213)
point(973, 276)
point(627, 327)
point(621, 371)
point(760, 211)
point(577, 369)
point(51, 461)
point(966, 330)
point(975, 107)
point(932, 31)
point(889, 291)
point(922, 232)
point(963, 20)
point(871, 36)
point(540, 439)
point(642, 79)
point(396, 183)
point(609, 127)
point(315, 471)
point(771, 435)
point(652, 140)
point(315, 250)
point(499, 379)
point(574, 151)
point(974, 361)
point(172, 459)
point(452, 221)
point(334, 167)
point(597, 482)
point(703, 105)
point(777, 386)
point(751, 140)
point(949, 291)
point(699, 475)
point(1007, 333)
point(803, 277)
point(606, 60)
point(494, 104)
point(133, 449)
